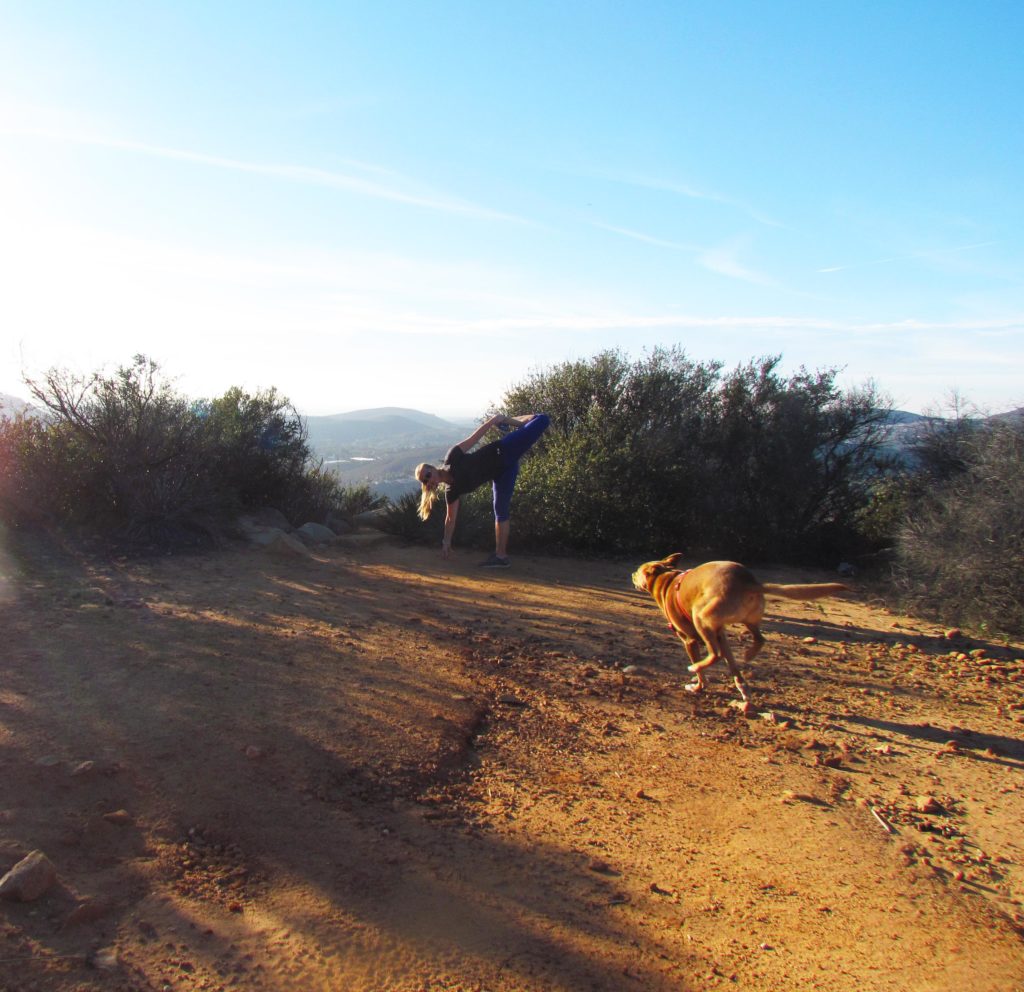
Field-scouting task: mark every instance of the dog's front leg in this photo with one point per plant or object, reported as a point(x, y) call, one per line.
point(692, 645)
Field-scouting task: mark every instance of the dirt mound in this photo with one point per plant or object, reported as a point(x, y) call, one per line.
point(373, 770)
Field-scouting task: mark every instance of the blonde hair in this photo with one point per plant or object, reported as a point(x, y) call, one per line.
point(428, 496)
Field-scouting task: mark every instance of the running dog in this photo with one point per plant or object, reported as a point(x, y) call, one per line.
point(700, 602)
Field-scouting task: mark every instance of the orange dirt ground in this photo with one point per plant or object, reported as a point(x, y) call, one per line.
point(375, 770)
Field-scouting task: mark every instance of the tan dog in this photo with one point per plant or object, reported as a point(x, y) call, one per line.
point(700, 602)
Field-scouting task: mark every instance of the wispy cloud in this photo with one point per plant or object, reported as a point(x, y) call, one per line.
point(694, 193)
point(647, 238)
point(725, 261)
point(933, 253)
point(376, 182)
point(721, 259)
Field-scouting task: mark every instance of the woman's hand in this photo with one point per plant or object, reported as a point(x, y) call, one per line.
point(446, 549)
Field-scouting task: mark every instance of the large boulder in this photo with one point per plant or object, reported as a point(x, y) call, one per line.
point(371, 518)
point(313, 533)
point(281, 543)
point(338, 523)
point(255, 522)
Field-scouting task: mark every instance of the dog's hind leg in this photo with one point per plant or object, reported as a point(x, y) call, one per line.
point(734, 669)
point(755, 647)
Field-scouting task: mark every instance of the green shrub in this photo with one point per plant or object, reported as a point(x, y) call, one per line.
point(667, 454)
point(257, 448)
point(474, 527)
point(350, 501)
point(401, 519)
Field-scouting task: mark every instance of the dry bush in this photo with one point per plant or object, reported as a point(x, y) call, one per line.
point(960, 552)
point(124, 456)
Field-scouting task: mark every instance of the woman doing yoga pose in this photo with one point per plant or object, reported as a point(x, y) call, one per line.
point(463, 470)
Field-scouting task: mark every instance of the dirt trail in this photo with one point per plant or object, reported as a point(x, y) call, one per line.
point(374, 770)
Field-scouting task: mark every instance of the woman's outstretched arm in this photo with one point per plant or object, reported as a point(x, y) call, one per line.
point(496, 421)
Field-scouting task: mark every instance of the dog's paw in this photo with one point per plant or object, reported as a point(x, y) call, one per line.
point(694, 686)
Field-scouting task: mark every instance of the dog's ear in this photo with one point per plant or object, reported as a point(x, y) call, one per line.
point(673, 561)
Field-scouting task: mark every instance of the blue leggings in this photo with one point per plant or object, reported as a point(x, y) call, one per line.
point(513, 447)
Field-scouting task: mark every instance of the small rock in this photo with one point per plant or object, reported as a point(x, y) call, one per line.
point(83, 769)
point(601, 867)
point(510, 700)
point(928, 805)
point(86, 912)
point(630, 669)
point(121, 817)
point(953, 633)
point(810, 640)
point(29, 878)
point(105, 959)
point(253, 752)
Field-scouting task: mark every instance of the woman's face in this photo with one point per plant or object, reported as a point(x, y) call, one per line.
point(428, 476)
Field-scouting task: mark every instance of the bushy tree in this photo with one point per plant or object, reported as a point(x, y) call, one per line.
point(960, 548)
point(790, 462)
point(666, 454)
point(616, 458)
point(124, 449)
point(257, 445)
point(125, 455)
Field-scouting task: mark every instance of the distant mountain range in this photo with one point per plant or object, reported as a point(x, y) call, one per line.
point(388, 426)
point(381, 447)
point(12, 405)
point(907, 428)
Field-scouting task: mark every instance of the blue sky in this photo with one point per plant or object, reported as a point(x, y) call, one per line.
point(419, 204)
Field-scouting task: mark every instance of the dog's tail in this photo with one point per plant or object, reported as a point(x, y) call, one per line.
point(816, 590)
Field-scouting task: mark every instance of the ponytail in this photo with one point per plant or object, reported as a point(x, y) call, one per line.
point(428, 494)
point(427, 499)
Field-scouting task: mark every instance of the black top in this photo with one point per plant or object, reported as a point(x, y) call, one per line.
point(473, 469)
